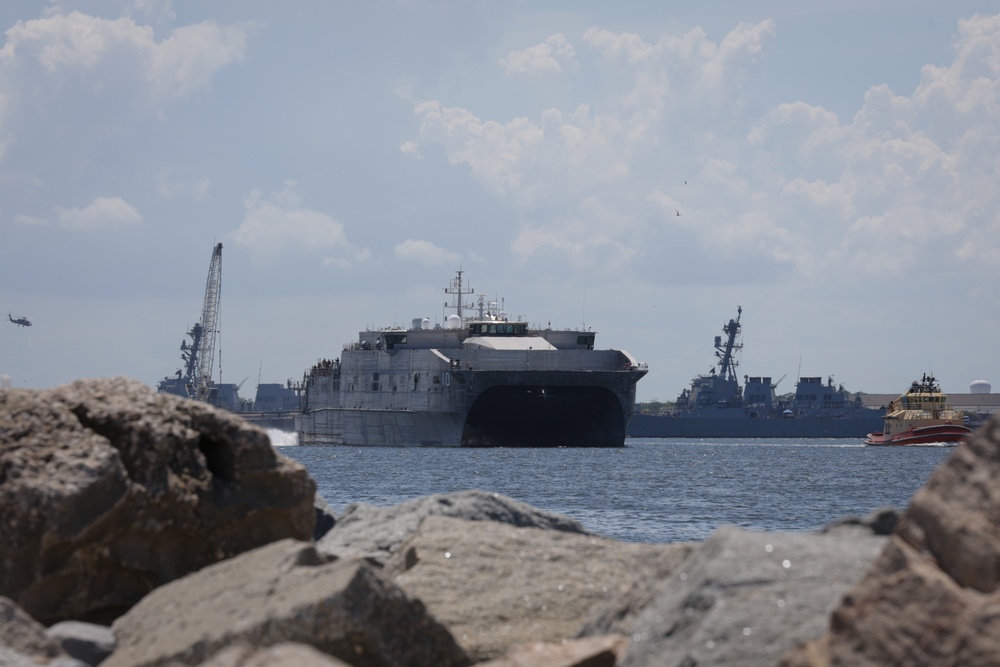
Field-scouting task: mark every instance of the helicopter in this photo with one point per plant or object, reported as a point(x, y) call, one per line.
point(20, 321)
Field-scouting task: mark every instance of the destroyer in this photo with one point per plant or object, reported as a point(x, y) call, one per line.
point(716, 406)
point(478, 380)
point(921, 416)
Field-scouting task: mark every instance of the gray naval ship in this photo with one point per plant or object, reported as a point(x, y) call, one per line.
point(716, 406)
point(479, 379)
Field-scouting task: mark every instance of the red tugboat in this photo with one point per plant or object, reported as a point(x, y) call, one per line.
point(920, 416)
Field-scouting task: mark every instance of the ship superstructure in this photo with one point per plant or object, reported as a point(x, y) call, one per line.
point(479, 379)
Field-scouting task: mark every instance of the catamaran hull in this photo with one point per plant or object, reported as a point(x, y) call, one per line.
point(494, 408)
point(938, 433)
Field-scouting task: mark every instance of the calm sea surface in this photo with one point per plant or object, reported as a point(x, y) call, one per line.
point(652, 490)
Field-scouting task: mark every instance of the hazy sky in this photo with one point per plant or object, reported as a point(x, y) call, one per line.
point(835, 167)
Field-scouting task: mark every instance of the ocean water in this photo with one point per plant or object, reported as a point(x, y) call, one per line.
point(652, 490)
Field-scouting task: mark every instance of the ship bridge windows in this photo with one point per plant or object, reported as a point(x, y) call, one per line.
point(498, 329)
point(586, 341)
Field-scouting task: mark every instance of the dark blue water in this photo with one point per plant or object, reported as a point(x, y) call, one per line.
point(652, 490)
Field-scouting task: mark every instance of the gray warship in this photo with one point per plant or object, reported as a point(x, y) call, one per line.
point(716, 406)
point(479, 379)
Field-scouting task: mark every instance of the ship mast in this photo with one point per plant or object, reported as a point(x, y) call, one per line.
point(457, 293)
point(727, 365)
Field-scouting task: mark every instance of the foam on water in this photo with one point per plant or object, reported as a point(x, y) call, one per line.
point(281, 438)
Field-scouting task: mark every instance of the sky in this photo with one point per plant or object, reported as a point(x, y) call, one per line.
point(641, 169)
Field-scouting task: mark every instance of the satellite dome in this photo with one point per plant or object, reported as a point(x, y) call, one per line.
point(980, 387)
point(453, 322)
point(425, 323)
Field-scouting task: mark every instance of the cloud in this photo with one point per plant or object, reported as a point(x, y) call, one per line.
point(102, 213)
point(277, 223)
point(424, 252)
point(551, 57)
point(173, 188)
point(77, 49)
point(30, 220)
point(410, 148)
point(791, 187)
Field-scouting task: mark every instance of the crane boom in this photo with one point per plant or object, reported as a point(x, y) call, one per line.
point(209, 325)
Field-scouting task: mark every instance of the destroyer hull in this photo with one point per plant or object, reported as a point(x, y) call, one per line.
point(924, 435)
point(663, 426)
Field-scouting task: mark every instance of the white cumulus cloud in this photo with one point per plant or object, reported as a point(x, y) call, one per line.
point(102, 213)
point(553, 56)
point(425, 252)
point(278, 222)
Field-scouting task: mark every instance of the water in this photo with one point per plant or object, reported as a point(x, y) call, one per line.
point(652, 490)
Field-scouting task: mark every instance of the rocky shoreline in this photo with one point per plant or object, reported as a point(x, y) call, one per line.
point(144, 529)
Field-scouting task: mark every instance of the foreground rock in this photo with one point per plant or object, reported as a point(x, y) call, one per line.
point(280, 655)
point(745, 597)
point(587, 652)
point(86, 642)
point(110, 490)
point(933, 595)
point(23, 639)
point(375, 533)
point(284, 592)
point(495, 585)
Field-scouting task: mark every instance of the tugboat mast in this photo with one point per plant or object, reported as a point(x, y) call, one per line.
point(727, 365)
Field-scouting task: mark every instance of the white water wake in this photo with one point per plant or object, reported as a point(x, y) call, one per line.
point(281, 438)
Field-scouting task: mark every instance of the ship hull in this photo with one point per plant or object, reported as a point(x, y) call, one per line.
point(742, 426)
point(574, 399)
point(937, 433)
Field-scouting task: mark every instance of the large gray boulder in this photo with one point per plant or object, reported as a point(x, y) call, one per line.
point(283, 592)
point(933, 595)
point(279, 655)
point(495, 585)
point(745, 597)
point(108, 490)
point(375, 533)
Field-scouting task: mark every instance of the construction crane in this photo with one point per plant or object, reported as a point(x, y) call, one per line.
point(195, 380)
point(209, 326)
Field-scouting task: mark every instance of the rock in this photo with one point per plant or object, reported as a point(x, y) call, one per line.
point(932, 597)
point(279, 655)
point(21, 634)
point(325, 519)
point(745, 597)
point(587, 652)
point(882, 521)
point(375, 533)
point(86, 642)
point(108, 490)
point(495, 585)
point(283, 592)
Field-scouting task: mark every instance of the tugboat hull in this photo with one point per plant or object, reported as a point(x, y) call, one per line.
point(939, 433)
